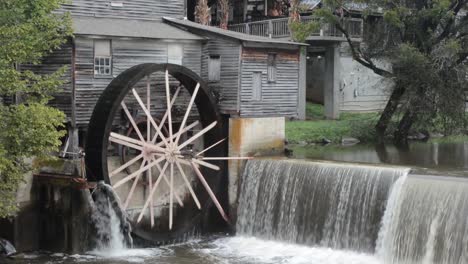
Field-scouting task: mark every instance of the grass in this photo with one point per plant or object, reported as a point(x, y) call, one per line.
point(316, 127)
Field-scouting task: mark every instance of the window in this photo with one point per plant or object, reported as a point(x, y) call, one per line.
point(257, 86)
point(271, 67)
point(175, 54)
point(102, 58)
point(214, 68)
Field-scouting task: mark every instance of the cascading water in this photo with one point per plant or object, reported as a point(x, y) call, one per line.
point(312, 203)
point(400, 218)
point(426, 221)
point(113, 230)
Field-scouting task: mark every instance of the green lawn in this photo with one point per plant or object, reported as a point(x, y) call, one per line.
point(316, 128)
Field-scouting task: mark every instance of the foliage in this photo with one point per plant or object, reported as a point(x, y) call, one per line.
point(317, 128)
point(28, 31)
point(203, 13)
point(300, 31)
point(426, 42)
point(224, 10)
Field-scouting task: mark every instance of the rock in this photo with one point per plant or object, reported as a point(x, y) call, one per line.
point(288, 152)
point(6, 248)
point(303, 143)
point(326, 141)
point(418, 136)
point(436, 135)
point(349, 141)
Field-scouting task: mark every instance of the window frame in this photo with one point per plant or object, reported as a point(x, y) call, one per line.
point(181, 54)
point(272, 67)
point(218, 79)
point(99, 58)
point(257, 92)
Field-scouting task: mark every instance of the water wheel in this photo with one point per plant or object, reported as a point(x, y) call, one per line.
point(155, 136)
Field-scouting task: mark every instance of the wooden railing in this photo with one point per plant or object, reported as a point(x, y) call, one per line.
point(279, 28)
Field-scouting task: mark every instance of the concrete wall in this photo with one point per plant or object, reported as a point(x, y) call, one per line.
point(251, 137)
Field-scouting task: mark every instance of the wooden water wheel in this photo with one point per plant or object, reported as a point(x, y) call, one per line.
point(155, 136)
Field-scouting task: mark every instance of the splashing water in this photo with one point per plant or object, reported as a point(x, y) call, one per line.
point(112, 228)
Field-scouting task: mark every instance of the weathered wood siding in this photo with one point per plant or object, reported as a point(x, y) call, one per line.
point(141, 9)
point(278, 98)
point(50, 64)
point(125, 54)
point(227, 88)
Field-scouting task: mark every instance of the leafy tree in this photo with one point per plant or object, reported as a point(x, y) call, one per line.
point(426, 43)
point(29, 30)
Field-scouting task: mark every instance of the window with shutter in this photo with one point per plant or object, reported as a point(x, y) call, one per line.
point(271, 67)
point(214, 68)
point(175, 53)
point(257, 86)
point(102, 58)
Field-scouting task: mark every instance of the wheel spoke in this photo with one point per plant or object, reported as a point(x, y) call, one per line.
point(126, 165)
point(206, 164)
point(199, 134)
point(148, 105)
point(179, 201)
point(127, 139)
point(152, 192)
point(189, 186)
point(189, 108)
point(132, 121)
point(169, 107)
point(165, 114)
point(133, 175)
point(130, 194)
point(227, 158)
point(158, 145)
point(125, 143)
point(210, 192)
point(148, 115)
point(171, 197)
point(210, 147)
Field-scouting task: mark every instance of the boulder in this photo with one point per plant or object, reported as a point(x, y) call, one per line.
point(349, 141)
point(6, 248)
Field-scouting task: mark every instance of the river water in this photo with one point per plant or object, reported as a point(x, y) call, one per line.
point(235, 250)
point(331, 213)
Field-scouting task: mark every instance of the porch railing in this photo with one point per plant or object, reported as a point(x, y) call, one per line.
point(278, 28)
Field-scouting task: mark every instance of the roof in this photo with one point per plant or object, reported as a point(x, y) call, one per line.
point(118, 27)
point(230, 34)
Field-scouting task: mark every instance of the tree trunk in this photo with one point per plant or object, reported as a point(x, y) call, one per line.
point(203, 13)
point(388, 112)
point(401, 134)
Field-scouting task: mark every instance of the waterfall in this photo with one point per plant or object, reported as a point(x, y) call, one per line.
point(113, 232)
point(315, 203)
point(426, 221)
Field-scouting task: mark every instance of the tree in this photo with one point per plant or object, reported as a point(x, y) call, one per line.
point(202, 13)
point(426, 43)
point(29, 128)
point(224, 11)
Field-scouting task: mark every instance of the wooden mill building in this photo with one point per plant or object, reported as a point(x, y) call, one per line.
point(250, 76)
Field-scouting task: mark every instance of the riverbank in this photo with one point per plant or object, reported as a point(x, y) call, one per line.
point(317, 129)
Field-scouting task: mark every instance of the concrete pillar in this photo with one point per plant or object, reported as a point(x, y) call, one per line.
point(251, 137)
point(301, 105)
point(332, 82)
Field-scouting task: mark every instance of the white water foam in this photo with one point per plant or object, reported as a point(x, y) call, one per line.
point(254, 250)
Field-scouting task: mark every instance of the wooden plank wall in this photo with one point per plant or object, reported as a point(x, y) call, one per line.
point(141, 9)
point(126, 53)
point(50, 64)
point(226, 90)
point(278, 98)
